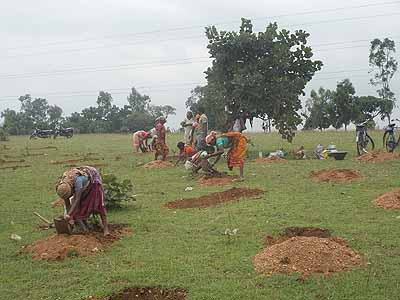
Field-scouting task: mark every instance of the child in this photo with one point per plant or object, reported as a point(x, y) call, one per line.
point(185, 151)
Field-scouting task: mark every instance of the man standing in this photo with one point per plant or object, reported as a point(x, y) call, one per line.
point(202, 130)
point(187, 125)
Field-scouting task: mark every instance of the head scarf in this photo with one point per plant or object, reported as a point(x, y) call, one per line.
point(64, 190)
point(211, 137)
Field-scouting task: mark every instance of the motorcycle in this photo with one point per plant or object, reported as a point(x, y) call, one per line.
point(66, 132)
point(39, 133)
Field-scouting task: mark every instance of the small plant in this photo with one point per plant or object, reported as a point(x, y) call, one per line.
point(230, 233)
point(116, 192)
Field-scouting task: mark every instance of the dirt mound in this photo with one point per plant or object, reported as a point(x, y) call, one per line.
point(213, 199)
point(268, 160)
point(216, 180)
point(147, 293)
point(296, 231)
point(341, 175)
point(378, 156)
point(389, 200)
point(61, 246)
point(158, 164)
point(307, 255)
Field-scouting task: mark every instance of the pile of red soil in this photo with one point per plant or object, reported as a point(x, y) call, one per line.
point(61, 246)
point(389, 200)
point(147, 293)
point(216, 180)
point(336, 175)
point(268, 160)
point(312, 251)
point(214, 199)
point(378, 156)
point(158, 164)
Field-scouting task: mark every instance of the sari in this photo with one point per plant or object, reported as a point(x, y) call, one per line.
point(237, 153)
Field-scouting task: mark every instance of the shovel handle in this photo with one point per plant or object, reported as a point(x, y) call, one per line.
point(41, 218)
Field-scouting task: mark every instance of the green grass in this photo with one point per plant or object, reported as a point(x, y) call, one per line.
point(187, 248)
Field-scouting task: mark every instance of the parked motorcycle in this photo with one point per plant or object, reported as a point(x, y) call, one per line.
point(39, 133)
point(66, 132)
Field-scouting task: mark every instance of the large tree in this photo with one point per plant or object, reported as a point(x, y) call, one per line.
point(318, 107)
point(384, 66)
point(342, 109)
point(138, 102)
point(263, 74)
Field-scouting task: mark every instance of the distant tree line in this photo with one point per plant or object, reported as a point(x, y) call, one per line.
point(106, 117)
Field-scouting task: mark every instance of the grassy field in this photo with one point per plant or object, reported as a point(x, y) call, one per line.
point(187, 248)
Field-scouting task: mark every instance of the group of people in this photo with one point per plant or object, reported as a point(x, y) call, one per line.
point(200, 146)
point(158, 142)
point(82, 189)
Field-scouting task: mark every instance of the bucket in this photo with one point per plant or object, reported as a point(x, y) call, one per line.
point(62, 226)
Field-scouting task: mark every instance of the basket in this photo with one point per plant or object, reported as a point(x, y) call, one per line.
point(62, 226)
point(338, 155)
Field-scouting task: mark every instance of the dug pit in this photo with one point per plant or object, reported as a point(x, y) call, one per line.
point(307, 251)
point(146, 293)
point(378, 156)
point(389, 200)
point(61, 246)
point(213, 199)
point(222, 179)
point(158, 164)
point(335, 175)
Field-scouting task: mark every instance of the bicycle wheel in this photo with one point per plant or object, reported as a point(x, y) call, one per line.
point(365, 144)
point(389, 141)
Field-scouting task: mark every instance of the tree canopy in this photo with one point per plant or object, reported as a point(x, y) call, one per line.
point(261, 73)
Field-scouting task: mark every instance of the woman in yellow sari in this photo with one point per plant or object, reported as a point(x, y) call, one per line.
point(236, 142)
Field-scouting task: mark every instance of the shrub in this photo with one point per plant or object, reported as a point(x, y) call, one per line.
point(116, 192)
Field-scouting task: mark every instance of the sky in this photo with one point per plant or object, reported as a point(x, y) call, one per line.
point(67, 51)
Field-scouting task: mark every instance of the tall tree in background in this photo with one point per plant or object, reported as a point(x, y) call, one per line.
point(138, 102)
point(343, 104)
point(318, 107)
point(54, 113)
point(384, 66)
point(263, 74)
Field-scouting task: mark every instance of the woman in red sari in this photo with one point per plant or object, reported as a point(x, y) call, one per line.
point(82, 191)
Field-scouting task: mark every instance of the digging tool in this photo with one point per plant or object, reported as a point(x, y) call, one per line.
point(50, 224)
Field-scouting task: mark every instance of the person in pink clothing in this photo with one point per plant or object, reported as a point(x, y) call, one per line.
point(140, 140)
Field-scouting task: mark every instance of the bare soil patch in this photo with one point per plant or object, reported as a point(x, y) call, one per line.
point(158, 164)
point(378, 156)
point(306, 250)
point(335, 175)
point(4, 161)
point(72, 161)
point(269, 160)
point(213, 199)
point(15, 167)
point(61, 246)
point(216, 180)
point(42, 148)
point(146, 293)
point(389, 200)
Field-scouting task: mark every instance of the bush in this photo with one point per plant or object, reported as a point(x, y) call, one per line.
point(116, 192)
point(3, 135)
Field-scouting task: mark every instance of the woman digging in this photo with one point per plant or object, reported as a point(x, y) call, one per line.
point(236, 142)
point(140, 139)
point(161, 146)
point(82, 191)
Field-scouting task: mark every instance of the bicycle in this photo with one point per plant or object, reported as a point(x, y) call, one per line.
point(389, 137)
point(363, 139)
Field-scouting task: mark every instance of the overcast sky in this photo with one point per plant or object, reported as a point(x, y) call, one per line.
point(66, 51)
